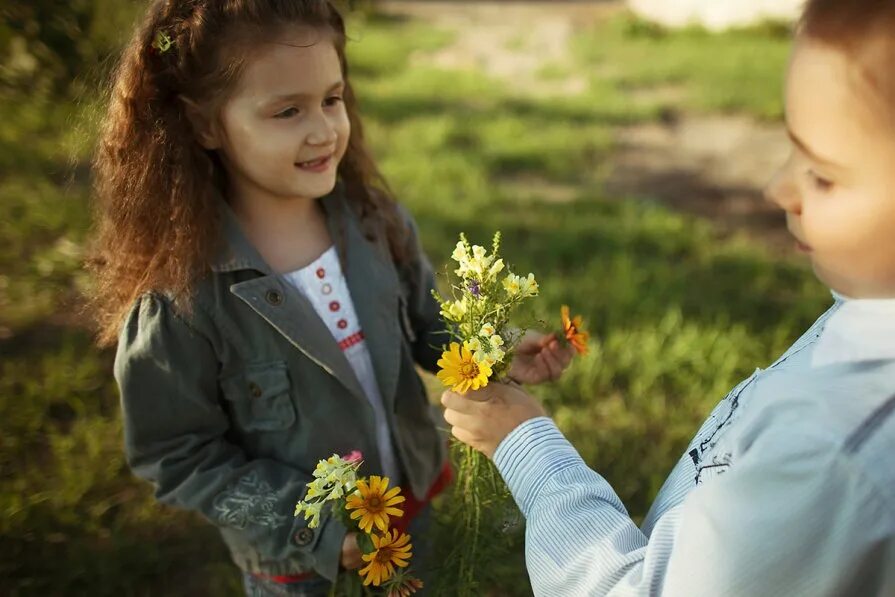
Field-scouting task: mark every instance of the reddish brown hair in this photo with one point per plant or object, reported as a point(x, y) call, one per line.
point(865, 30)
point(157, 189)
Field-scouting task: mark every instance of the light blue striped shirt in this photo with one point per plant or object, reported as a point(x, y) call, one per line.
point(787, 489)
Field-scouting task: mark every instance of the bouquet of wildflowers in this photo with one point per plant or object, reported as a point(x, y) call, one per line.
point(485, 295)
point(483, 299)
point(368, 506)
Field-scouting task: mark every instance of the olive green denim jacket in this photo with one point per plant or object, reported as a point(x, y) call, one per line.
point(228, 408)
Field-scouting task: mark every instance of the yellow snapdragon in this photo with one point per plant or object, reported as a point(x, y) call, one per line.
point(528, 286)
point(454, 311)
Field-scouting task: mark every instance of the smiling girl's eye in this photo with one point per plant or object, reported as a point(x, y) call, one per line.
point(287, 113)
point(819, 182)
point(332, 101)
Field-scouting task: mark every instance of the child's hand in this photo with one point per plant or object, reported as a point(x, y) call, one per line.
point(351, 559)
point(539, 358)
point(483, 418)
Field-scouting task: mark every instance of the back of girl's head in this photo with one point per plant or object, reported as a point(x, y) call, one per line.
point(157, 188)
point(863, 29)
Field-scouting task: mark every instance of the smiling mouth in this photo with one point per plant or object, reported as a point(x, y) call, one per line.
point(802, 246)
point(316, 165)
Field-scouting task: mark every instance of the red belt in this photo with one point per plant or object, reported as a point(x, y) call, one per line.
point(412, 507)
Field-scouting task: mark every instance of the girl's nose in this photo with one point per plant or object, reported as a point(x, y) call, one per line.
point(322, 132)
point(783, 192)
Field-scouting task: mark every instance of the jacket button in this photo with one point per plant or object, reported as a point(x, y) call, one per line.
point(304, 536)
point(274, 297)
point(255, 390)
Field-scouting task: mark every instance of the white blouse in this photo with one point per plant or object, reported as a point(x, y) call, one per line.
point(324, 285)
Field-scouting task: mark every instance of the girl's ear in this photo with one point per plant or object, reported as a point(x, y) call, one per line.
point(205, 130)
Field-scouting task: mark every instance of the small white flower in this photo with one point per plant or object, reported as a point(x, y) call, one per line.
point(474, 345)
point(460, 254)
point(312, 511)
point(496, 268)
point(491, 358)
point(454, 311)
point(512, 284)
point(487, 330)
point(478, 265)
point(528, 286)
point(497, 355)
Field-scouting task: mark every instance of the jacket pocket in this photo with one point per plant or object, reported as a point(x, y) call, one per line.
point(260, 397)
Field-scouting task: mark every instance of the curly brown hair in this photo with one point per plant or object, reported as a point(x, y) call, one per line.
point(157, 188)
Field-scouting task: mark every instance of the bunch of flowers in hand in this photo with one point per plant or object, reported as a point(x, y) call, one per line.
point(368, 506)
point(484, 297)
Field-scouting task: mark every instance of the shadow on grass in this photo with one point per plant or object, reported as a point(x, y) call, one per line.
point(182, 557)
point(396, 108)
point(631, 263)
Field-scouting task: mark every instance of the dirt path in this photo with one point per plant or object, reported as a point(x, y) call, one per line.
point(510, 41)
point(711, 166)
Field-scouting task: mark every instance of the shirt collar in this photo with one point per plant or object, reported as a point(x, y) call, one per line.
point(237, 253)
point(860, 330)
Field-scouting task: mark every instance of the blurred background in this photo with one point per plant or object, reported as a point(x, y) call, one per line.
point(620, 148)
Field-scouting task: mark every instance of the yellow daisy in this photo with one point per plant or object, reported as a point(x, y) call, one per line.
point(460, 371)
point(391, 549)
point(374, 502)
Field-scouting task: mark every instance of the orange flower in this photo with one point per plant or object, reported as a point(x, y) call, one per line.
point(573, 333)
point(403, 585)
point(391, 549)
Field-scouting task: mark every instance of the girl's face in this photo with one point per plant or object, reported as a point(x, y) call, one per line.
point(284, 129)
point(838, 187)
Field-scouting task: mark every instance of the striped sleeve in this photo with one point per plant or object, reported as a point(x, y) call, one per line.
point(793, 518)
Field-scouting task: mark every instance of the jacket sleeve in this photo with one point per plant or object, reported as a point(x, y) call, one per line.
point(176, 437)
point(427, 327)
point(791, 518)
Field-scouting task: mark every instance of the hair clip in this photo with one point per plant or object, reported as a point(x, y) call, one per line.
point(162, 42)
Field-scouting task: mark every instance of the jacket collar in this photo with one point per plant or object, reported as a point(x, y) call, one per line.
point(372, 281)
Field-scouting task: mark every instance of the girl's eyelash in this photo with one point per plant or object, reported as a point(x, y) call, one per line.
point(291, 111)
point(286, 113)
point(820, 182)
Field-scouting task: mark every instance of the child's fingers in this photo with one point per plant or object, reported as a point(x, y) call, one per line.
point(564, 355)
point(460, 420)
point(351, 554)
point(457, 402)
point(464, 436)
point(551, 364)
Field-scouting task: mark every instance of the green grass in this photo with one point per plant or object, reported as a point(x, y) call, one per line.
point(678, 314)
point(739, 71)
